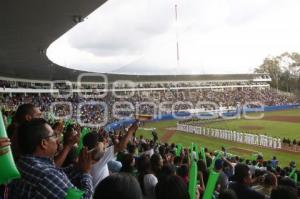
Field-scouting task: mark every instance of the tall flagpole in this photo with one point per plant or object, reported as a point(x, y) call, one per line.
point(177, 42)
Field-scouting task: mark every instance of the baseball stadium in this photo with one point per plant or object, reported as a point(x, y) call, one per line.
point(132, 129)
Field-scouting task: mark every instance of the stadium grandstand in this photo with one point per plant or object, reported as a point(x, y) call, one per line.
point(66, 133)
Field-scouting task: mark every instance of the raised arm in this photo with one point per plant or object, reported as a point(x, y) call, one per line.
point(124, 141)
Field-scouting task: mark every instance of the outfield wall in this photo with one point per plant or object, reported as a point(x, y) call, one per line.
point(206, 115)
point(282, 107)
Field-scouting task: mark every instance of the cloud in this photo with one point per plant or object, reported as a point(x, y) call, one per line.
point(245, 11)
point(121, 27)
point(215, 36)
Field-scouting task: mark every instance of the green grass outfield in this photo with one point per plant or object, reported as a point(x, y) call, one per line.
point(272, 128)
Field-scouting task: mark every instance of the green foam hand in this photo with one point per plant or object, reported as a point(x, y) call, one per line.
point(292, 172)
point(192, 147)
point(8, 168)
point(294, 175)
point(203, 154)
point(193, 180)
point(10, 120)
point(73, 193)
point(197, 151)
point(211, 184)
point(254, 156)
point(178, 149)
point(218, 156)
point(84, 131)
point(68, 122)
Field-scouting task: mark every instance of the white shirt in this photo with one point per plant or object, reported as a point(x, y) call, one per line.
point(149, 152)
point(100, 170)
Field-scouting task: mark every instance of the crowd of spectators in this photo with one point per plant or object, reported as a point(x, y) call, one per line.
point(126, 84)
point(120, 165)
point(95, 109)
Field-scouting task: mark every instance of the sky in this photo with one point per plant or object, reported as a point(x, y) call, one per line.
point(214, 36)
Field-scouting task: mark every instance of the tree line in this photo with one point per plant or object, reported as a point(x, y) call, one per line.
point(284, 71)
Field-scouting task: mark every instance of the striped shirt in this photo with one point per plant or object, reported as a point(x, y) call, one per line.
point(40, 178)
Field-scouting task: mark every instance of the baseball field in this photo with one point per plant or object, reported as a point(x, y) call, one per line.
point(277, 124)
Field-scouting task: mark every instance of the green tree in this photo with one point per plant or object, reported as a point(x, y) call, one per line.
point(284, 71)
point(272, 67)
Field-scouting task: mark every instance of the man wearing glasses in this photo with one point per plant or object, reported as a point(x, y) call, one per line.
point(40, 177)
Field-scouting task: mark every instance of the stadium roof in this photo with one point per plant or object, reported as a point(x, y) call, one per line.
point(28, 28)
